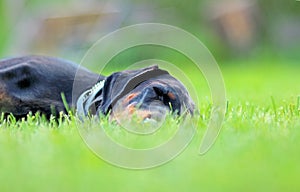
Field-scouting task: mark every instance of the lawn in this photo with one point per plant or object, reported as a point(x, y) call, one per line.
point(257, 148)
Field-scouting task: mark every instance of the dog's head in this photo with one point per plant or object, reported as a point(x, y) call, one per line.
point(149, 93)
point(35, 83)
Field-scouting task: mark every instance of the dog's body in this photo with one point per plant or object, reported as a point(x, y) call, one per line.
point(35, 83)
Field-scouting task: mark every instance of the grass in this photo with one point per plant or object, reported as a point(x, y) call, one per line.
point(257, 149)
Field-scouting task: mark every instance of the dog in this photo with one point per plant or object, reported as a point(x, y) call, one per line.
point(36, 83)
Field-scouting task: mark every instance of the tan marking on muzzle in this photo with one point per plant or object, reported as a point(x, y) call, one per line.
point(129, 111)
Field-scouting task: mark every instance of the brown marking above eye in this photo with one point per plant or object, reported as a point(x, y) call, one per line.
point(171, 96)
point(130, 96)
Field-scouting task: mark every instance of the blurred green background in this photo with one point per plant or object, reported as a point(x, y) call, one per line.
point(239, 29)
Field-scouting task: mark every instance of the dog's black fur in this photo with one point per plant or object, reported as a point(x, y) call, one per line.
point(35, 83)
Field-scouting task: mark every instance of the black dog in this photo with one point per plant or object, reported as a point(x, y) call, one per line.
point(35, 83)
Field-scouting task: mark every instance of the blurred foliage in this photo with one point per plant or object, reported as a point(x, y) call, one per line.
point(3, 27)
point(191, 16)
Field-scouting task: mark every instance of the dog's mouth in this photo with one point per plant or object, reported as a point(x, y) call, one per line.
point(154, 110)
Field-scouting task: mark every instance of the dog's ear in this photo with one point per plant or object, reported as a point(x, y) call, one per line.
point(119, 84)
point(18, 76)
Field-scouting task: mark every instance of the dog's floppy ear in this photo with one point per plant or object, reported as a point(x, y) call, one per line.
point(119, 84)
point(17, 76)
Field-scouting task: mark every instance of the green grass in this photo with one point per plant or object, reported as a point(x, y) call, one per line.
point(257, 149)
